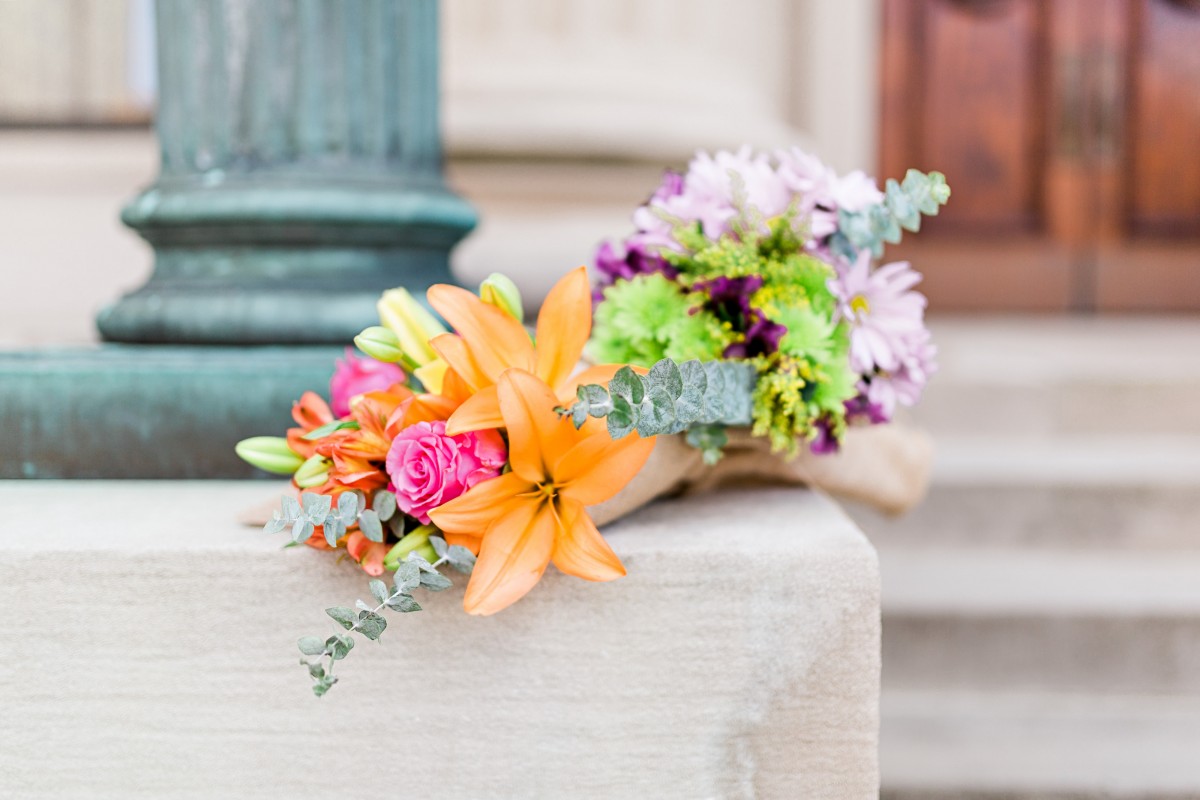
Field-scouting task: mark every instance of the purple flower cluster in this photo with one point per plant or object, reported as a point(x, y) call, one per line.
point(710, 194)
point(615, 263)
point(890, 346)
point(729, 300)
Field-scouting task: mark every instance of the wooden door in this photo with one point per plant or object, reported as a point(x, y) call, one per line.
point(1069, 131)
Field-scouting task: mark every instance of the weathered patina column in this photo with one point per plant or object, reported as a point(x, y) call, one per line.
point(301, 175)
point(301, 171)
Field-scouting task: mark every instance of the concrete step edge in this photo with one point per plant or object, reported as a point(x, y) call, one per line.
point(1037, 583)
point(970, 744)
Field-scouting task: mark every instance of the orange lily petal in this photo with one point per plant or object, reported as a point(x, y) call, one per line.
point(422, 408)
point(579, 549)
point(455, 353)
point(600, 373)
point(512, 558)
point(471, 512)
point(563, 327)
point(598, 467)
point(454, 387)
point(537, 437)
point(495, 340)
point(463, 540)
point(479, 412)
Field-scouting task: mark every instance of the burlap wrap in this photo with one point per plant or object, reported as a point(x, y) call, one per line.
point(884, 466)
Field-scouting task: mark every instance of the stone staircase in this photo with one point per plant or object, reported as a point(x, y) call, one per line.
point(1041, 612)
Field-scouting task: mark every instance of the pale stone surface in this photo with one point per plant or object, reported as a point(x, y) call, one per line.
point(1019, 746)
point(1072, 621)
point(152, 654)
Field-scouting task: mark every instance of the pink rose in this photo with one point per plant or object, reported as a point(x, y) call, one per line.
point(355, 376)
point(429, 468)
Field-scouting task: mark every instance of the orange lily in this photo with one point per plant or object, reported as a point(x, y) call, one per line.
point(489, 341)
point(519, 522)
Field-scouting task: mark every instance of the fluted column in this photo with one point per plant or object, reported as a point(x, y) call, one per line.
point(301, 171)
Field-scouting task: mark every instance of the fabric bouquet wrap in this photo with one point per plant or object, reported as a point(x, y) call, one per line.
point(742, 334)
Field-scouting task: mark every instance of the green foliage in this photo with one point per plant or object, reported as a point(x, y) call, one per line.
point(384, 504)
point(797, 393)
point(901, 210)
point(313, 510)
point(649, 318)
point(368, 622)
point(670, 399)
point(710, 440)
point(328, 428)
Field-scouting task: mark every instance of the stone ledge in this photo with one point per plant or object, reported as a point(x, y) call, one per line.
point(739, 658)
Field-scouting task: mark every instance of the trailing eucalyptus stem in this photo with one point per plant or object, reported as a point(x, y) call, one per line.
point(901, 210)
point(414, 573)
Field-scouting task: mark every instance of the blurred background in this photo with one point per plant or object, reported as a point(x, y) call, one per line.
point(1042, 609)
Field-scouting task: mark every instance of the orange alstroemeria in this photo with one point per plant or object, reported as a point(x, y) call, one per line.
point(519, 522)
point(310, 412)
point(489, 341)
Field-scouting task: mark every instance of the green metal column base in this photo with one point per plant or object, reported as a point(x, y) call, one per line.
point(301, 172)
point(129, 411)
point(242, 261)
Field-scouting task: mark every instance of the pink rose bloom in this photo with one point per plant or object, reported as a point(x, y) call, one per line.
point(429, 468)
point(354, 376)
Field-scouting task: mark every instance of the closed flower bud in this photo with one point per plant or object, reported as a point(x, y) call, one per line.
point(312, 473)
point(415, 541)
point(412, 323)
point(380, 344)
point(499, 290)
point(269, 453)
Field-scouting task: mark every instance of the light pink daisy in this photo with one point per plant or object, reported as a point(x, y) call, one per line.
point(886, 317)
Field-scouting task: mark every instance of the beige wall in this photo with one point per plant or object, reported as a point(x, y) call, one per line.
point(641, 79)
point(611, 90)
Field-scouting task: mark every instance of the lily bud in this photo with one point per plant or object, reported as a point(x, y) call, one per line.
point(415, 541)
point(499, 290)
point(269, 453)
point(380, 344)
point(412, 323)
point(312, 473)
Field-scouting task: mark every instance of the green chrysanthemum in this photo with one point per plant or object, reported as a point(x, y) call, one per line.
point(648, 318)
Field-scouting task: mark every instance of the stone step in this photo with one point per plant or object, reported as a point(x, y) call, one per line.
point(1112, 492)
point(1044, 620)
point(1068, 375)
point(966, 746)
point(153, 655)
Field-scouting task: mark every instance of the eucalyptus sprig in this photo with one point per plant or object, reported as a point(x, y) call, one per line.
point(900, 210)
point(314, 511)
point(672, 397)
point(414, 573)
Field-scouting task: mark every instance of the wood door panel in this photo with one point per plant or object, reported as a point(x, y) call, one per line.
point(1164, 125)
point(962, 95)
point(1161, 276)
point(1019, 273)
point(982, 121)
point(1069, 131)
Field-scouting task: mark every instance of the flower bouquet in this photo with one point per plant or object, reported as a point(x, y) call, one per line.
point(743, 316)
